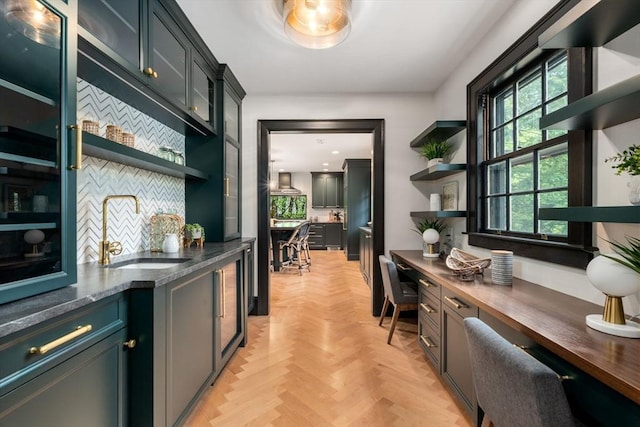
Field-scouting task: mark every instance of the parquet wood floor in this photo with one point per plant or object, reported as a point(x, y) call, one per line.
point(320, 359)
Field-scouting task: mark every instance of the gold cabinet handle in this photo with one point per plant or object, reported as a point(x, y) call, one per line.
point(402, 267)
point(427, 342)
point(130, 344)
point(78, 164)
point(455, 302)
point(80, 330)
point(224, 294)
point(226, 187)
point(426, 284)
point(427, 308)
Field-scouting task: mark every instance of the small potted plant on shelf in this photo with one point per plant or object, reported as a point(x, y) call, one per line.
point(628, 161)
point(430, 231)
point(435, 151)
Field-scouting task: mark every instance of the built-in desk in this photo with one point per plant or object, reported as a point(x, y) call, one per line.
point(555, 325)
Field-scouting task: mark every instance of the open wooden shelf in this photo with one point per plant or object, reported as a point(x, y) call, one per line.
point(439, 130)
point(618, 214)
point(105, 149)
point(438, 171)
point(611, 106)
point(591, 23)
point(438, 214)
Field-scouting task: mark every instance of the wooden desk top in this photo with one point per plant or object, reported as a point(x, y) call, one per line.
point(553, 319)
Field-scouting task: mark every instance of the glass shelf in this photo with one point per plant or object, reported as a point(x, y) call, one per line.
point(617, 214)
point(438, 171)
point(439, 130)
point(105, 149)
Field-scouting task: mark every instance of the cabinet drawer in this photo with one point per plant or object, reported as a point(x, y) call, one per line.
point(430, 286)
point(28, 353)
point(459, 304)
point(430, 308)
point(429, 340)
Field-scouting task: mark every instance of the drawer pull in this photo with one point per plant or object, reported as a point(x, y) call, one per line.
point(426, 308)
point(456, 303)
point(60, 341)
point(425, 283)
point(427, 342)
point(130, 344)
point(402, 267)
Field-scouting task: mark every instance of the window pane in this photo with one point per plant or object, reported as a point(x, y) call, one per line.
point(557, 77)
point(556, 199)
point(529, 132)
point(521, 213)
point(530, 92)
point(497, 213)
point(497, 178)
point(554, 167)
point(556, 104)
point(503, 140)
point(503, 109)
point(521, 177)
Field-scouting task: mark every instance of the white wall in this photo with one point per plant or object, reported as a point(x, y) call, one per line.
point(618, 60)
point(407, 115)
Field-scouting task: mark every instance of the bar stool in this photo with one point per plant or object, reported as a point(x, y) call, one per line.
point(296, 255)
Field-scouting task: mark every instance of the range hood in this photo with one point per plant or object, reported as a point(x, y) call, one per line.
point(284, 185)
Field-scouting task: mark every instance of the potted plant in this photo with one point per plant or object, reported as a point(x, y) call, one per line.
point(193, 231)
point(628, 161)
point(629, 256)
point(435, 151)
point(430, 231)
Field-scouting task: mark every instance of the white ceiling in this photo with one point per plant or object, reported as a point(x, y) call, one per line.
point(396, 46)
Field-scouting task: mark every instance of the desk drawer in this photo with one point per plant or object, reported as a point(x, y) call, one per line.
point(459, 304)
point(430, 286)
point(430, 308)
point(28, 353)
point(429, 340)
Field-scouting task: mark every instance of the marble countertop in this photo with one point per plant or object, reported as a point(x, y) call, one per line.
point(96, 282)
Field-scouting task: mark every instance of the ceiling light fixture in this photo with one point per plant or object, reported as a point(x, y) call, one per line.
point(33, 20)
point(317, 24)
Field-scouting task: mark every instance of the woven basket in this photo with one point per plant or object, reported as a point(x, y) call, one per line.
point(128, 139)
point(90, 126)
point(114, 133)
point(464, 264)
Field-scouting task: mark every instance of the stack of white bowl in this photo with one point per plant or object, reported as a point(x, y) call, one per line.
point(501, 267)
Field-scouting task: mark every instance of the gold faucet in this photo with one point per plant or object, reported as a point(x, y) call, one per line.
point(105, 247)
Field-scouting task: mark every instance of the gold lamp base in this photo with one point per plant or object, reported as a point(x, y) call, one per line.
point(613, 311)
point(612, 320)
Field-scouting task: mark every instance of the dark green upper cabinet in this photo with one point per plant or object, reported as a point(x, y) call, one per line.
point(231, 116)
point(158, 47)
point(327, 189)
point(37, 108)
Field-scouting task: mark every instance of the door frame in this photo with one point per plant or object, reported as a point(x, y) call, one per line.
point(373, 126)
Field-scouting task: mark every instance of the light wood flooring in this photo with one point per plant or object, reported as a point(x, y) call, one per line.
point(320, 359)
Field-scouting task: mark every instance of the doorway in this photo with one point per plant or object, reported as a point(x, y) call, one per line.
point(265, 127)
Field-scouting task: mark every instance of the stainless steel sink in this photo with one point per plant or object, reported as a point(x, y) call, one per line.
point(149, 263)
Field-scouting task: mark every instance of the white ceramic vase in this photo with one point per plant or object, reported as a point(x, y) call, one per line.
point(170, 244)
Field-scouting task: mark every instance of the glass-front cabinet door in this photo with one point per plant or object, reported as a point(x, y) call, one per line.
point(231, 116)
point(231, 305)
point(114, 27)
point(37, 187)
point(168, 56)
point(231, 191)
point(202, 90)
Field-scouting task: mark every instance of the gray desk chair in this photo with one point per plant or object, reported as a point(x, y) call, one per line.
point(512, 387)
point(400, 294)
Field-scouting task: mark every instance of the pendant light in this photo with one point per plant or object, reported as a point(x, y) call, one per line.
point(34, 20)
point(317, 24)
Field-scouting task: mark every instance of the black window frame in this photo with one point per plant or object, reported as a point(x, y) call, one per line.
point(577, 250)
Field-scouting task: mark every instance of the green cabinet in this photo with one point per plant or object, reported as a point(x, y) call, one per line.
point(187, 331)
point(357, 203)
point(37, 151)
point(326, 190)
point(68, 370)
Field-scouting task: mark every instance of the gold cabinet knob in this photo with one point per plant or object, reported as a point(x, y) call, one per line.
point(194, 108)
point(130, 344)
point(148, 71)
point(154, 75)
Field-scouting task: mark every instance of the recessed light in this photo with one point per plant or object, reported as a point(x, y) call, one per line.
point(280, 170)
point(325, 164)
point(325, 170)
point(335, 152)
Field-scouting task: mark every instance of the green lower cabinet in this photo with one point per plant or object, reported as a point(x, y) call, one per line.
point(89, 389)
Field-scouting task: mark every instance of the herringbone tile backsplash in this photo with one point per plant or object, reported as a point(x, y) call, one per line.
point(99, 178)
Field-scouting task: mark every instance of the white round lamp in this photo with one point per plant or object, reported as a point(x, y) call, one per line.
point(34, 238)
point(430, 238)
point(615, 281)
